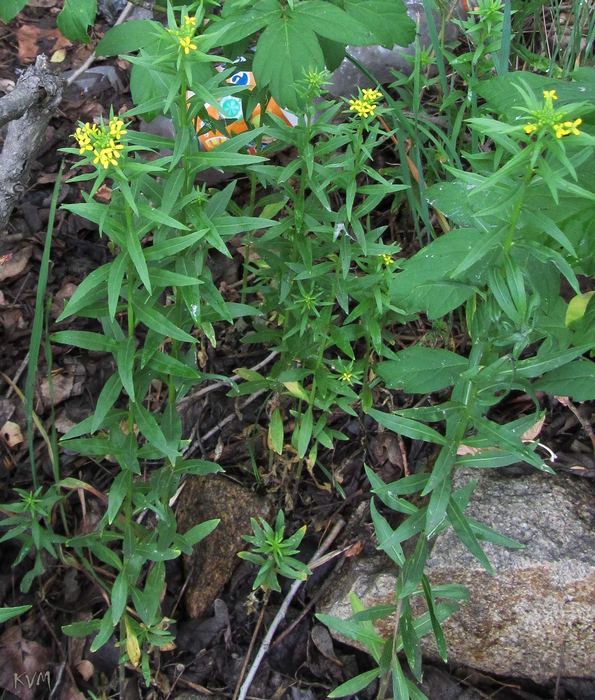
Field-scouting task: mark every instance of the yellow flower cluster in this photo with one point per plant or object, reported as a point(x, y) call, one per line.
point(102, 140)
point(185, 34)
point(549, 117)
point(365, 105)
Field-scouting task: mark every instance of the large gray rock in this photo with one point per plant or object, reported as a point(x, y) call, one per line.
point(534, 618)
point(381, 62)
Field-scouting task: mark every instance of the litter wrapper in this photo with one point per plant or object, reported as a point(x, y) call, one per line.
point(230, 111)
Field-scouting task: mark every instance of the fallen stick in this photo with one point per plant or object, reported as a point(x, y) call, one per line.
point(38, 93)
point(266, 642)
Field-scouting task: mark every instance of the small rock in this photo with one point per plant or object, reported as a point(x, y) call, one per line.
point(214, 559)
point(534, 618)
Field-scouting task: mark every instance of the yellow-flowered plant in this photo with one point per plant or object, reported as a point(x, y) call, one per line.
point(551, 119)
point(185, 34)
point(103, 141)
point(365, 105)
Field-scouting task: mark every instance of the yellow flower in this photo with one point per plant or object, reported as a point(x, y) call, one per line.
point(362, 108)
point(186, 44)
point(571, 127)
point(189, 21)
point(346, 376)
point(102, 141)
point(371, 96)
point(550, 95)
point(530, 128)
point(116, 128)
point(387, 259)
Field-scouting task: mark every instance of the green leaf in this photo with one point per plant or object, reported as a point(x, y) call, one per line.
point(276, 433)
point(159, 323)
point(173, 245)
point(465, 533)
point(438, 504)
point(134, 249)
point(355, 684)
point(387, 20)
point(576, 379)
point(388, 539)
point(284, 51)
point(434, 618)
point(107, 398)
point(119, 597)
point(114, 282)
point(149, 427)
point(76, 17)
point(125, 363)
point(78, 300)
point(400, 687)
point(8, 613)
point(387, 494)
point(200, 531)
point(413, 568)
point(86, 340)
point(407, 427)
point(81, 629)
point(329, 21)
point(545, 362)
point(577, 307)
point(422, 370)
point(166, 364)
point(9, 9)
point(304, 432)
point(117, 494)
point(198, 467)
point(376, 612)
point(105, 632)
point(132, 35)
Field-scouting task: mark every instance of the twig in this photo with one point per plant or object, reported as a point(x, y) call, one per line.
point(90, 59)
point(266, 642)
point(219, 385)
point(587, 427)
point(25, 134)
point(252, 643)
point(32, 87)
point(224, 422)
point(18, 373)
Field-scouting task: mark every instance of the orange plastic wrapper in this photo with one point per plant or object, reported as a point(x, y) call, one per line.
point(230, 110)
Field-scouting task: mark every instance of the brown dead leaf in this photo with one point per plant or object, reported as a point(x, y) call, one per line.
point(11, 434)
point(355, 550)
point(13, 264)
point(34, 40)
point(12, 320)
point(323, 641)
point(21, 663)
point(86, 669)
point(63, 383)
point(463, 450)
point(104, 194)
point(63, 423)
point(533, 431)
point(63, 294)
point(528, 436)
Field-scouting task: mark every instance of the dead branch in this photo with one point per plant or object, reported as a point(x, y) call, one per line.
point(28, 109)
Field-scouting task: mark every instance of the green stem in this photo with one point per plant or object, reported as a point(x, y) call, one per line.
point(516, 212)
